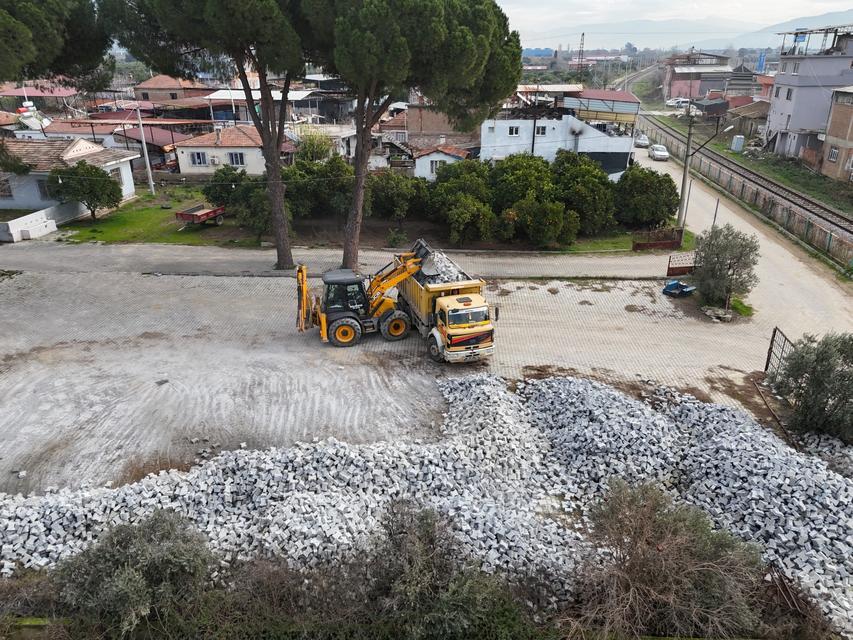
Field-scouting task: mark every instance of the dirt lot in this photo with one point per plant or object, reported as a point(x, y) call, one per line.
point(107, 376)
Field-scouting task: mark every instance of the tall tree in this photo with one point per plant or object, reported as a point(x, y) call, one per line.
point(459, 53)
point(43, 39)
point(183, 37)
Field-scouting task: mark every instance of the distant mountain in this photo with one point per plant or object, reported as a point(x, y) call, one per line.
point(767, 37)
point(643, 33)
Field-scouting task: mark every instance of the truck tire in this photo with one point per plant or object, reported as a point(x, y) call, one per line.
point(345, 332)
point(434, 350)
point(396, 326)
point(219, 220)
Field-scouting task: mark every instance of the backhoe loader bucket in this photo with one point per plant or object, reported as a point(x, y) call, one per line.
point(428, 267)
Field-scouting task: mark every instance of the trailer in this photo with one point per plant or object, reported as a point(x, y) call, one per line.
point(201, 214)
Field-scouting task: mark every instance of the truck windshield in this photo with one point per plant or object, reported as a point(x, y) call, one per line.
point(468, 316)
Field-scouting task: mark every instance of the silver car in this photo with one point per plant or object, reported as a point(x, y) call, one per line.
point(642, 141)
point(658, 152)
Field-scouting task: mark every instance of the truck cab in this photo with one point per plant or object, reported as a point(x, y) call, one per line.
point(465, 325)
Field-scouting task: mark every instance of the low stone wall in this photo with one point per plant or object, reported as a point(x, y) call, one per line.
point(40, 222)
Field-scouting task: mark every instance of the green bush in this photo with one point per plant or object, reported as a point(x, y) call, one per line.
point(224, 184)
point(468, 177)
point(725, 264)
point(319, 189)
point(666, 571)
point(645, 198)
point(543, 222)
point(515, 177)
point(134, 571)
point(396, 238)
point(470, 219)
point(583, 186)
point(391, 194)
point(817, 375)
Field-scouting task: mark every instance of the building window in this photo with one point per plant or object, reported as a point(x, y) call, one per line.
point(541, 130)
point(513, 131)
point(844, 98)
point(833, 154)
point(43, 192)
point(789, 94)
point(236, 159)
point(5, 187)
point(435, 165)
point(145, 95)
point(784, 67)
point(796, 69)
point(173, 96)
point(198, 158)
point(778, 89)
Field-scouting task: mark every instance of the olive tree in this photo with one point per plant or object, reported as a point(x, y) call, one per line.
point(460, 54)
point(725, 264)
point(183, 37)
point(817, 376)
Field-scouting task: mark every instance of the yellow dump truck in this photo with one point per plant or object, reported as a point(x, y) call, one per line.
point(420, 288)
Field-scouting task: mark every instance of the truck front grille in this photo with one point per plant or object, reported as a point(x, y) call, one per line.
point(471, 340)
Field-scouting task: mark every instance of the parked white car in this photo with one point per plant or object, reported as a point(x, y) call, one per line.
point(678, 103)
point(641, 141)
point(658, 152)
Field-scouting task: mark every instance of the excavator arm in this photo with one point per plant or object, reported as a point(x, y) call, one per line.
point(390, 276)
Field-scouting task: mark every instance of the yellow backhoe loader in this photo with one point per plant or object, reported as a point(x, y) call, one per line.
point(451, 314)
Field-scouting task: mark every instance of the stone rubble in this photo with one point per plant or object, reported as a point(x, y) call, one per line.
point(446, 268)
point(514, 472)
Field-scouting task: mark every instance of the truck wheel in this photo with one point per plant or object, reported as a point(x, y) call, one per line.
point(434, 350)
point(345, 332)
point(220, 219)
point(396, 326)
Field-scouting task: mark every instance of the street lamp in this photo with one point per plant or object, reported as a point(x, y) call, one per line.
point(682, 206)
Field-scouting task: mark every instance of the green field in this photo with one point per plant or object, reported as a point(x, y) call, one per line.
point(145, 220)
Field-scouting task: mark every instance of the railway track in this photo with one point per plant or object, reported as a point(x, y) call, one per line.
point(830, 215)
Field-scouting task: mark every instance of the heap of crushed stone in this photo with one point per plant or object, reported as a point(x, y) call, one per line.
point(514, 473)
point(447, 271)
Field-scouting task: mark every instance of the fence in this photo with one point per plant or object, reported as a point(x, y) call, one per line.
point(657, 239)
point(780, 346)
point(811, 230)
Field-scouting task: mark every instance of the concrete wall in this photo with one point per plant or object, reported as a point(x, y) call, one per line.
point(428, 128)
point(17, 229)
point(253, 157)
point(25, 192)
point(566, 133)
point(107, 140)
point(155, 95)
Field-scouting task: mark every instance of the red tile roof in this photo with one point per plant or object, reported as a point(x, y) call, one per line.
point(44, 155)
point(7, 118)
point(168, 82)
point(238, 136)
point(157, 136)
point(455, 152)
point(397, 123)
point(739, 101)
point(41, 91)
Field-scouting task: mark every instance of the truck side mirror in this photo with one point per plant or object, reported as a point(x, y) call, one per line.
point(497, 313)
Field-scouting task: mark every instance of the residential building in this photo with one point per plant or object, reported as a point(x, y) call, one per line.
point(429, 161)
point(741, 82)
point(749, 119)
point(343, 137)
point(803, 88)
point(693, 74)
point(396, 127)
point(162, 87)
point(838, 143)
point(159, 141)
point(427, 127)
point(29, 191)
point(238, 146)
point(765, 84)
point(91, 130)
point(388, 153)
point(595, 123)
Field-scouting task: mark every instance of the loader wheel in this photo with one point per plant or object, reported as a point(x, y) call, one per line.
point(434, 350)
point(396, 326)
point(345, 332)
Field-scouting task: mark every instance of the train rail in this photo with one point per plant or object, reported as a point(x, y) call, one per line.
point(830, 215)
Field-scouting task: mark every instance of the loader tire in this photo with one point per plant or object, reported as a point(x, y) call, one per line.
point(345, 332)
point(434, 350)
point(396, 326)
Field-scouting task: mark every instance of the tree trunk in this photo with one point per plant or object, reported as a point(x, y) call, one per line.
point(275, 195)
point(352, 232)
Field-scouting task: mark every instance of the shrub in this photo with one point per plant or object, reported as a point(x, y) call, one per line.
point(390, 194)
point(666, 570)
point(396, 238)
point(583, 186)
point(542, 221)
point(513, 178)
point(725, 264)
point(251, 208)
point(468, 177)
point(645, 198)
point(224, 184)
point(318, 189)
point(469, 219)
point(134, 570)
point(817, 375)
point(314, 147)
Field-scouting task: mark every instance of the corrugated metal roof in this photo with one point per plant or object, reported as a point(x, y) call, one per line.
point(704, 68)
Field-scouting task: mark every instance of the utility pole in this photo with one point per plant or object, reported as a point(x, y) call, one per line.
point(145, 150)
point(682, 206)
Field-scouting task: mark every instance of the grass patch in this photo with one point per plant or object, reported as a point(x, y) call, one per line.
point(615, 242)
point(144, 220)
point(11, 214)
point(688, 241)
point(742, 308)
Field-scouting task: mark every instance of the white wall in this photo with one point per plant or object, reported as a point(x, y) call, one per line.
point(566, 133)
point(25, 192)
point(252, 155)
point(422, 164)
point(107, 141)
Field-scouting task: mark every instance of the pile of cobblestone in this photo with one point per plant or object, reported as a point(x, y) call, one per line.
point(514, 473)
point(446, 270)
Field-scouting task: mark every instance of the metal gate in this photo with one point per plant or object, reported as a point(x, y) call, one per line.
point(780, 345)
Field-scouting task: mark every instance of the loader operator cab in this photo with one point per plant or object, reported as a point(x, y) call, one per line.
point(344, 292)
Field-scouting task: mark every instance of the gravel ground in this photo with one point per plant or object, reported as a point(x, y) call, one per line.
point(504, 463)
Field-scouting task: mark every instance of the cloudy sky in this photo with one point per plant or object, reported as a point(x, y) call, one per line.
point(542, 22)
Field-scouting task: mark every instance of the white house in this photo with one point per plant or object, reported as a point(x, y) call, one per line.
point(238, 146)
point(90, 130)
point(29, 191)
point(428, 161)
